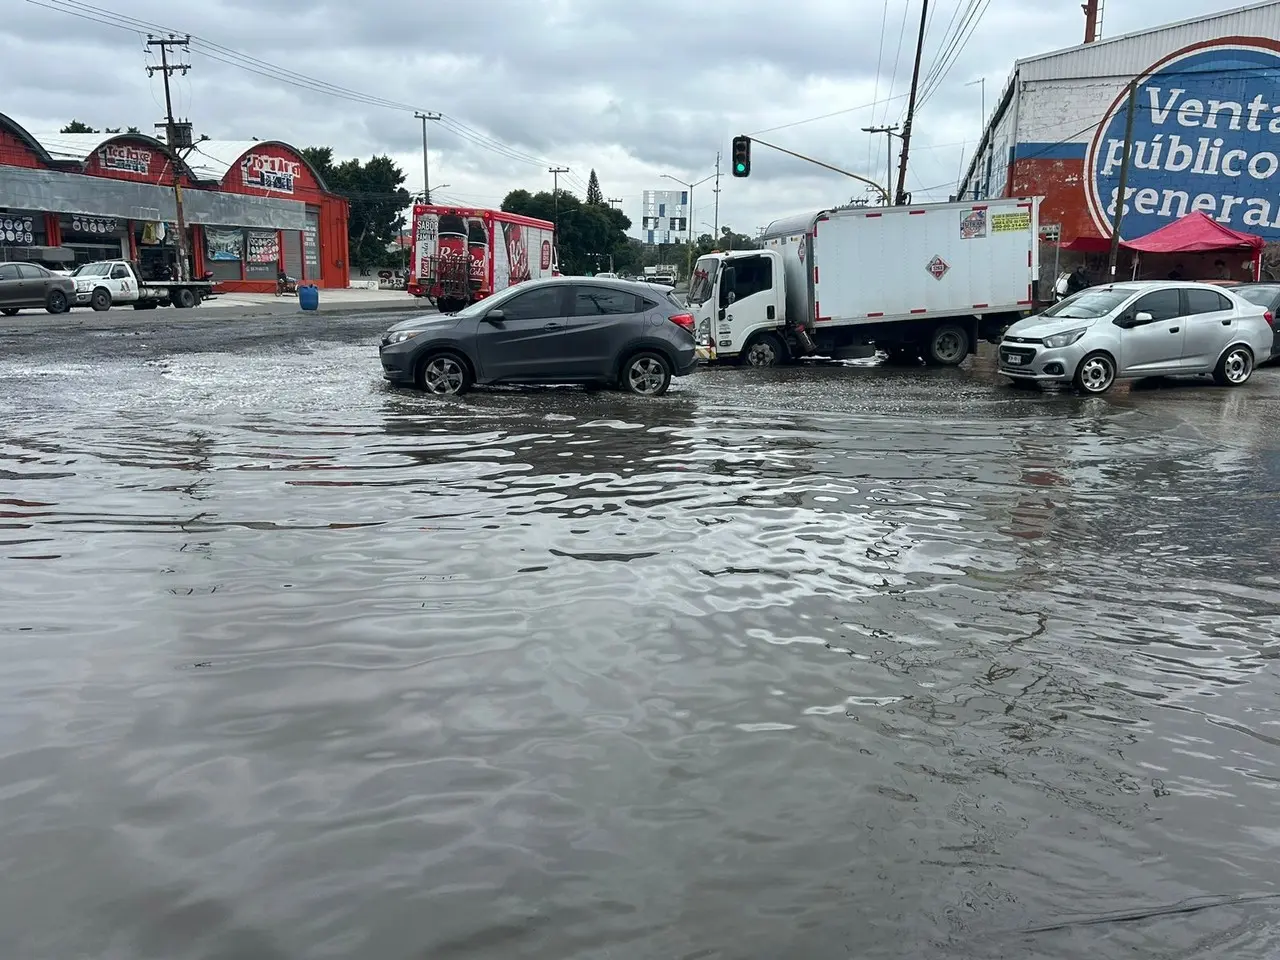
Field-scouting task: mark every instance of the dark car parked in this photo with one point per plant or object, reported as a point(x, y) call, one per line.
point(1267, 296)
point(31, 285)
point(557, 330)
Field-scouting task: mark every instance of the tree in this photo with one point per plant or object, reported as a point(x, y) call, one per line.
point(377, 199)
point(75, 126)
point(590, 237)
point(594, 196)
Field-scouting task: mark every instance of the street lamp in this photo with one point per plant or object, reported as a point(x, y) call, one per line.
point(689, 220)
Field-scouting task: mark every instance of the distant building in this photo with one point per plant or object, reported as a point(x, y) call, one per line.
point(664, 216)
point(1205, 134)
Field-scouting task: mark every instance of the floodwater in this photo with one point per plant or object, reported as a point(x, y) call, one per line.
point(819, 663)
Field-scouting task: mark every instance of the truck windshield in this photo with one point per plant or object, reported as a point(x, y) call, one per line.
point(100, 269)
point(704, 279)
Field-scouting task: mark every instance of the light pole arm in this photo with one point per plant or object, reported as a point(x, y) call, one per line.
point(826, 166)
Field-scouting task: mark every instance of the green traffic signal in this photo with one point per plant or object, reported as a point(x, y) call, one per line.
point(742, 156)
point(741, 167)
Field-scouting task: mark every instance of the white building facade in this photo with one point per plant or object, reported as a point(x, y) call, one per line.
point(664, 216)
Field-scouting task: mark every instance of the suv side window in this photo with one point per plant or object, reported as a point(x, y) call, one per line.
point(752, 275)
point(601, 301)
point(535, 304)
point(1162, 305)
point(1206, 301)
point(119, 272)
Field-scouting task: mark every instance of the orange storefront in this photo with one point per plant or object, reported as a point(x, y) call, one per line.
point(252, 208)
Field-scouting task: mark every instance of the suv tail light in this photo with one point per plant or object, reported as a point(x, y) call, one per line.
point(1270, 318)
point(683, 320)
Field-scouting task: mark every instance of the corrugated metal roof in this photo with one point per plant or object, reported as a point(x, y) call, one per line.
point(72, 146)
point(1131, 53)
point(211, 159)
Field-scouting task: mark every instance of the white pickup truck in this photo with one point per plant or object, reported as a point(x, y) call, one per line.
point(105, 282)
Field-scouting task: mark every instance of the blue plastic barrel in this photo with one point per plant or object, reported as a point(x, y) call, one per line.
point(309, 296)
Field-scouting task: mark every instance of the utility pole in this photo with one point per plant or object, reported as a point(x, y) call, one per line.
point(901, 197)
point(1092, 16)
point(716, 220)
point(171, 136)
point(612, 200)
point(983, 82)
point(555, 195)
point(1130, 109)
point(889, 131)
point(426, 169)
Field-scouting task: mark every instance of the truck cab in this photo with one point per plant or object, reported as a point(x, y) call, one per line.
point(738, 300)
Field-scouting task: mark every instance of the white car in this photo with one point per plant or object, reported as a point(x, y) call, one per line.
point(1132, 330)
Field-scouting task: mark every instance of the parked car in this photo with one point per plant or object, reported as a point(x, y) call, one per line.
point(31, 285)
point(554, 330)
point(1267, 296)
point(1132, 330)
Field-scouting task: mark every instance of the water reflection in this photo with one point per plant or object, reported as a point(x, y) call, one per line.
point(863, 662)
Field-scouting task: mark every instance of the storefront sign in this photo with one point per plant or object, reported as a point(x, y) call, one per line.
point(264, 248)
point(311, 245)
point(17, 231)
point(224, 244)
point(973, 224)
point(115, 156)
point(94, 225)
point(270, 173)
point(1206, 138)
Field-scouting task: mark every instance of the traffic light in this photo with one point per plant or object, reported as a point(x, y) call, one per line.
point(742, 156)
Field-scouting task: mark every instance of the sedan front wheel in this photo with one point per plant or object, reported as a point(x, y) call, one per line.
point(1096, 374)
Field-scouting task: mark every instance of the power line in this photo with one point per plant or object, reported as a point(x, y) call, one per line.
point(230, 57)
point(958, 49)
point(827, 116)
point(893, 77)
point(875, 93)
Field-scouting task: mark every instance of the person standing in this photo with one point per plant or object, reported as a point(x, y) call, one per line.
point(1078, 280)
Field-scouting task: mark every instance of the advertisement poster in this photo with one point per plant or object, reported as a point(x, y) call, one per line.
point(517, 252)
point(224, 244)
point(116, 156)
point(311, 245)
point(264, 248)
point(269, 173)
point(16, 230)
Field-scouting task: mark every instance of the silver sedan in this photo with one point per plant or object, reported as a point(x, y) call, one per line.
point(1132, 330)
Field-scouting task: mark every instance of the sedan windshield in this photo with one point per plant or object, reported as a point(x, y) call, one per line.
point(100, 269)
point(1090, 304)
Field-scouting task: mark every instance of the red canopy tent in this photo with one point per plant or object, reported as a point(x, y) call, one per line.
point(1194, 233)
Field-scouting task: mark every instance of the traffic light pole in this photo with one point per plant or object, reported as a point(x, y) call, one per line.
point(826, 166)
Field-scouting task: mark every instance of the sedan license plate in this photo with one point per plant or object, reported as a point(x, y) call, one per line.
point(1013, 360)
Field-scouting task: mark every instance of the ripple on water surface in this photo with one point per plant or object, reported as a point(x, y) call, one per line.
point(829, 663)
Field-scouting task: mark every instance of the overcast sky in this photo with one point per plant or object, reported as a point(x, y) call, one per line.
point(635, 90)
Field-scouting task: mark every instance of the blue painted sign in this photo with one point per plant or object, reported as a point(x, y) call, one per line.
point(1206, 138)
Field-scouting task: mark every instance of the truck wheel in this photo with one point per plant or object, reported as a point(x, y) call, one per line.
point(766, 350)
point(101, 299)
point(948, 345)
point(184, 297)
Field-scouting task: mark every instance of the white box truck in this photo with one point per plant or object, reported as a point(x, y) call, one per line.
point(924, 281)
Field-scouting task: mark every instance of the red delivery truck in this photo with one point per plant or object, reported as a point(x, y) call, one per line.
point(462, 254)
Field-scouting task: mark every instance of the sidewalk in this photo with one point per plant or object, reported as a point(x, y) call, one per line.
point(345, 300)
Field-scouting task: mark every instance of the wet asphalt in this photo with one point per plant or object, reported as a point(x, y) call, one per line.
point(841, 660)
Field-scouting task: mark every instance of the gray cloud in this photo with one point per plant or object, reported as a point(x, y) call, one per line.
point(577, 82)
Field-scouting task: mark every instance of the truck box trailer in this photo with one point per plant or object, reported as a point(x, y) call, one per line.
point(461, 255)
point(926, 280)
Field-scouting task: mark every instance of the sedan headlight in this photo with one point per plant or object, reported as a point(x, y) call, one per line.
point(1065, 339)
point(400, 336)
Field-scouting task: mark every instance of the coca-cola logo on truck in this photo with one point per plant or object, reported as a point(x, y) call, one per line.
point(115, 156)
point(270, 173)
point(546, 254)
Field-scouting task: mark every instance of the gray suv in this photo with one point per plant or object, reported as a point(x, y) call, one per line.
point(557, 330)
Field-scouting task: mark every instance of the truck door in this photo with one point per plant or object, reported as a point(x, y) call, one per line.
point(747, 300)
point(121, 283)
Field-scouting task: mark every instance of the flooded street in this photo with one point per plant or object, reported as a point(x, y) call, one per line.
point(814, 663)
